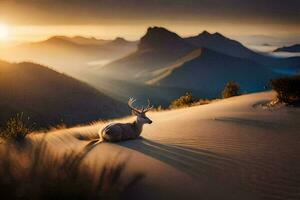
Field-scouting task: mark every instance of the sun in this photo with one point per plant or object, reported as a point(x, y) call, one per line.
point(3, 32)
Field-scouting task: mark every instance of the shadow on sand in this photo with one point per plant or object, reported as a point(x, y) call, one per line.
point(196, 162)
point(208, 167)
point(250, 122)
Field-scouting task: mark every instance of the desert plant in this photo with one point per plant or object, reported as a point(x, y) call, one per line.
point(183, 101)
point(287, 89)
point(34, 172)
point(16, 128)
point(231, 89)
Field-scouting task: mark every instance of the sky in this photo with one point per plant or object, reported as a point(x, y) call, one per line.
point(37, 19)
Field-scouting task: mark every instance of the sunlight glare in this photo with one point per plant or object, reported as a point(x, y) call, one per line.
point(3, 32)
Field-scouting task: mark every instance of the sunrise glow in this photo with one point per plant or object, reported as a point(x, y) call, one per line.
point(3, 32)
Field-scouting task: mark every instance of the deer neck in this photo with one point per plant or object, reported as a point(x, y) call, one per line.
point(138, 125)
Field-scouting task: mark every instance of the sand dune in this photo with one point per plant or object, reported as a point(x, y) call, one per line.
point(230, 149)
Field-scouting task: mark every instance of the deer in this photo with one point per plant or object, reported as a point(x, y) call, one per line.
point(116, 132)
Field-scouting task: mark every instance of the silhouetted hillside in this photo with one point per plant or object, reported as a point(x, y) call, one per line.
point(157, 48)
point(220, 43)
point(50, 98)
point(159, 38)
point(293, 48)
point(210, 71)
point(85, 40)
point(70, 55)
point(165, 60)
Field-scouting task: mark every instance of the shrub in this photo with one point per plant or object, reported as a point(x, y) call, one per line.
point(16, 129)
point(35, 172)
point(287, 89)
point(231, 89)
point(183, 101)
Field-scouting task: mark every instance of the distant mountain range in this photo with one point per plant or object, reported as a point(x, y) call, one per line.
point(293, 49)
point(222, 44)
point(51, 98)
point(157, 49)
point(70, 55)
point(202, 64)
point(161, 65)
point(211, 70)
point(82, 40)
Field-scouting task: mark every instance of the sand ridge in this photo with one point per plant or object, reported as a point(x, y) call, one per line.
point(229, 149)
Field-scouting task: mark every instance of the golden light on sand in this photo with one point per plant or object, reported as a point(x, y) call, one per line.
point(3, 32)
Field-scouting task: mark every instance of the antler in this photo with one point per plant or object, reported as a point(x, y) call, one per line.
point(130, 102)
point(144, 110)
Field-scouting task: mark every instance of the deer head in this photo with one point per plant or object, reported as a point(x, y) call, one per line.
point(140, 113)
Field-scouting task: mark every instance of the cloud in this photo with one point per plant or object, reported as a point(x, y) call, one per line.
point(137, 11)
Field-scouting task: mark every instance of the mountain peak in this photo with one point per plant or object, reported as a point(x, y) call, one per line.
point(79, 37)
point(161, 38)
point(292, 49)
point(206, 34)
point(57, 38)
point(119, 40)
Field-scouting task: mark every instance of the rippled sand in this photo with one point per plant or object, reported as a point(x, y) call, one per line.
point(229, 149)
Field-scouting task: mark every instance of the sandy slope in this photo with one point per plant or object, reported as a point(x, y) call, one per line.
point(230, 149)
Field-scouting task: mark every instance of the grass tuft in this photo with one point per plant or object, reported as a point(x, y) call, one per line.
point(16, 129)
point(34, 172)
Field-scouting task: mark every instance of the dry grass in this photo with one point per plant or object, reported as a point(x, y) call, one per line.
point(33, 171)
point(16, 129)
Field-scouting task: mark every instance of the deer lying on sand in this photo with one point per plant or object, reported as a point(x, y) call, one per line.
point(116, 132)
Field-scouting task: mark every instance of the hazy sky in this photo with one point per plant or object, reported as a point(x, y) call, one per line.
point(129, 18)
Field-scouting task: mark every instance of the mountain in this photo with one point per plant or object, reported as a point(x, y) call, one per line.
point(164, 60)
point(158, 38)
point(156, 49)
point(70, 55)
point(96, 49)
point(220, 43)
point(210, 71)
point(85, 40)
point(50, 98)
point(122, 90)
point(293, 49)
point(120, 41)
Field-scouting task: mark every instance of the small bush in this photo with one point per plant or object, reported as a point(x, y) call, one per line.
point(287, 89)
point(231, 89)
point(16, 129)
point(183, 101)
point(188, 100)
